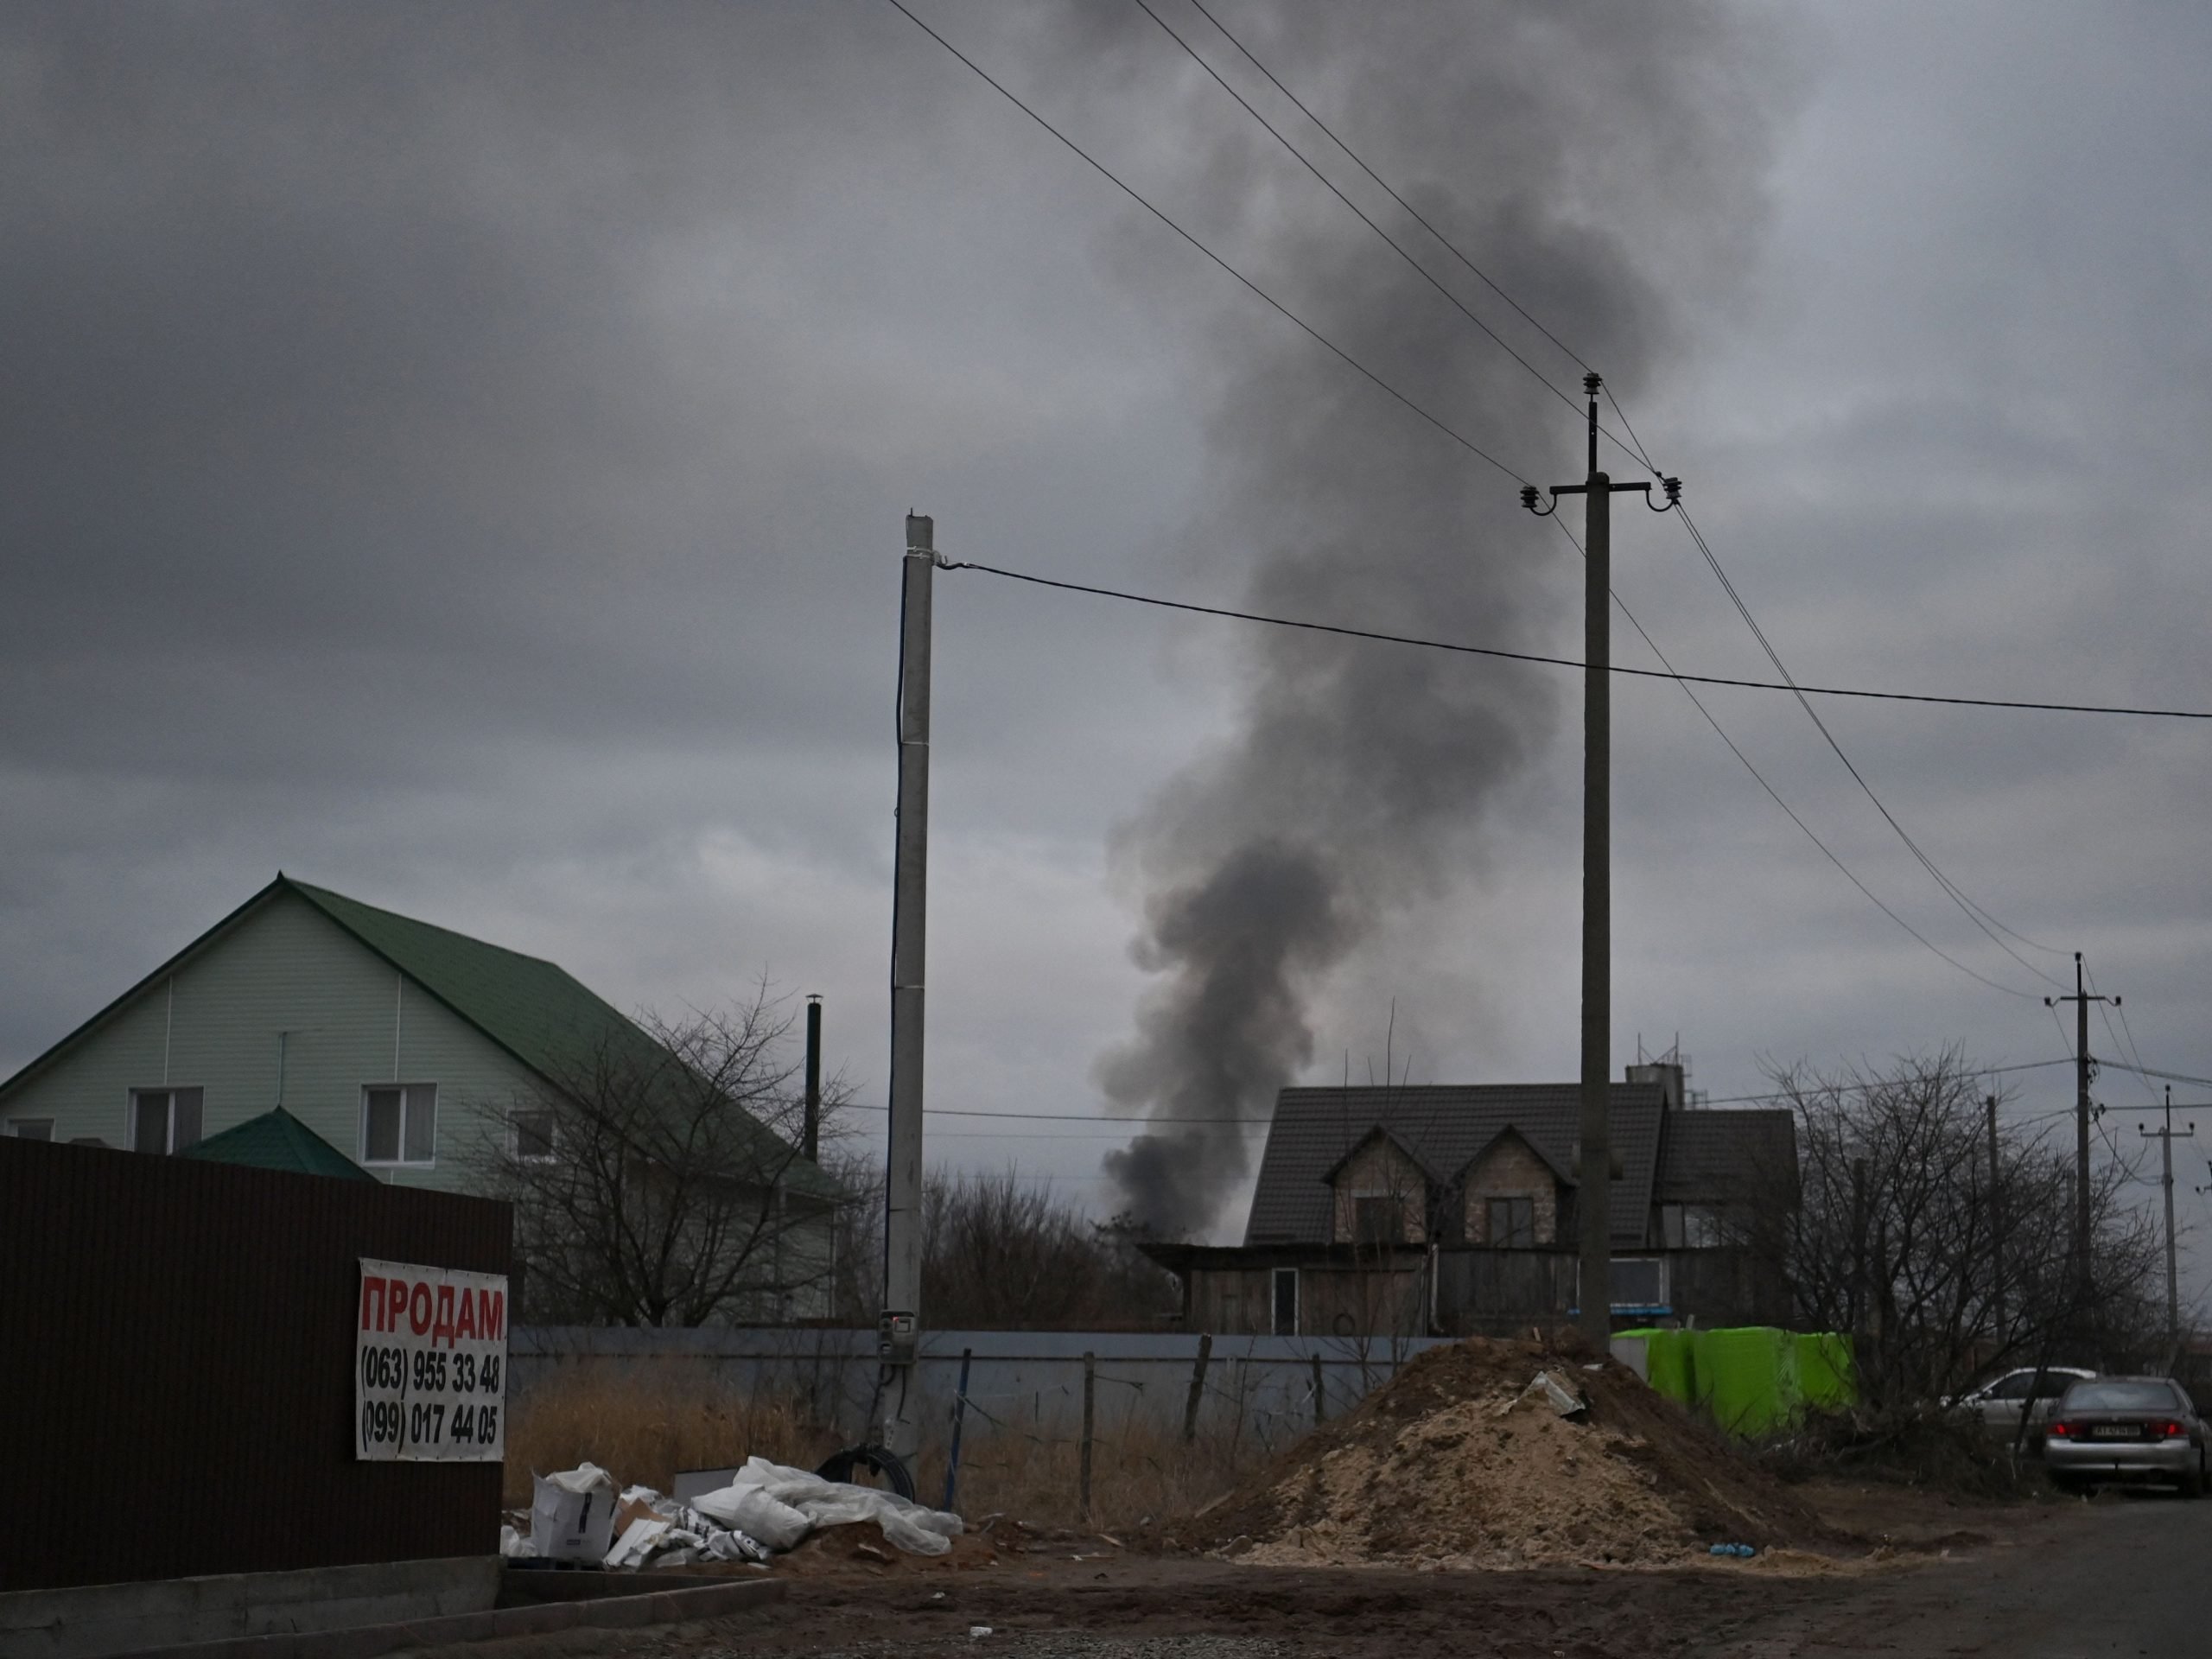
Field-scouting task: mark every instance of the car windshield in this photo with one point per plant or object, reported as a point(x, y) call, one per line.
point(2106, 1395)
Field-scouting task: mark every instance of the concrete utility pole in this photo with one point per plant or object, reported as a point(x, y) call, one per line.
point(2081, 999)
point(2164, 1137)
point(1594, 1293)
point(898, 1331)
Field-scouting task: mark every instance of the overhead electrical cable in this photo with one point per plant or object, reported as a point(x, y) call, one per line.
point(1972, 911)
point(2105, 1010)
point(1412, 212)
point(1543, 659)
point(1399, 248)
point(1774, 795)
point(1436, 421)
point(1668, 673)
point(1983, 919)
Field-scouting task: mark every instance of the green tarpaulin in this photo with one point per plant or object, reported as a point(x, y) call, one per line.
point(1750, 1380)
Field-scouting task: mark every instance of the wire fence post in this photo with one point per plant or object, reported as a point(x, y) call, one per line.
point(959, 1411)
point(1197, 1389)
point(1090, 1401)
point(1320, 1398)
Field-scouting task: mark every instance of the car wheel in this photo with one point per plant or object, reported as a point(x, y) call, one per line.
point(2192, 1484)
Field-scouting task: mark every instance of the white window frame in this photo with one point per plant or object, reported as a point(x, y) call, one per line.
point(18, 1125)
point(1275, 1290)
point(407, 1094)
point(552, 1152)
point(168, 1091)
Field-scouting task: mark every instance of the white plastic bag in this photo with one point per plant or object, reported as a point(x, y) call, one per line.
point(905, 1523)
point(745, 1508)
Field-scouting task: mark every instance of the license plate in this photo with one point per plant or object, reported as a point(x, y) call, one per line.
point(2114, 1431)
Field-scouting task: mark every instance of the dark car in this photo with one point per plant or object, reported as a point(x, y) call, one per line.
point(2127, 1429)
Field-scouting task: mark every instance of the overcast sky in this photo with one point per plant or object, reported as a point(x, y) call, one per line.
point(457, 454)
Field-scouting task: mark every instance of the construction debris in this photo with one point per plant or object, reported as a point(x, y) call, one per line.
point(577, 1517)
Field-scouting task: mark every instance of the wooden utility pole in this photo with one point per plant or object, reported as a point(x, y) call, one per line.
point(899, 1331)
point(1594, 1206)
point(2081, 999)
point(2164, 1137)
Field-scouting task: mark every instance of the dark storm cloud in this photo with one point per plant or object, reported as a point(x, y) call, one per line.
point(457, 454)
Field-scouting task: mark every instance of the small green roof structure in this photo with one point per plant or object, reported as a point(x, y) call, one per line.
point(276, 1140)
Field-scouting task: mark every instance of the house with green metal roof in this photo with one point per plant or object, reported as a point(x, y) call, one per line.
point(405, 1050)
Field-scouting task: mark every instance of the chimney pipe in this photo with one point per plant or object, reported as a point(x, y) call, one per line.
point(810, 1136)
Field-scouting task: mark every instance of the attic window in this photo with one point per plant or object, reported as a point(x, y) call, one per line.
point(1512, 1224)
point(1380, 1219)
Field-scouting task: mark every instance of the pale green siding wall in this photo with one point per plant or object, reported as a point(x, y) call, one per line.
point(345, 1020)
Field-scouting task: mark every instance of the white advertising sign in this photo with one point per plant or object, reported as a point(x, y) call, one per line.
point(430, 1365)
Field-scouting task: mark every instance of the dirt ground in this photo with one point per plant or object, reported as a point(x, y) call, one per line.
point(1047, 1595)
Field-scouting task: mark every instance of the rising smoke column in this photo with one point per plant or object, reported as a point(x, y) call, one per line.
point(1592, 159)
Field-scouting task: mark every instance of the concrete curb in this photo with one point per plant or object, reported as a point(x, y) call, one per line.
point(606, 1612)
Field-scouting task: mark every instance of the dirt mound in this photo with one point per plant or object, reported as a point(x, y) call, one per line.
point(1455, 1463)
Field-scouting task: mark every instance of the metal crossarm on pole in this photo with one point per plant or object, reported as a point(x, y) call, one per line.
point(1594, 1205)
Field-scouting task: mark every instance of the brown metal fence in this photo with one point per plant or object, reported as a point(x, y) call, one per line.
point(176, 1369)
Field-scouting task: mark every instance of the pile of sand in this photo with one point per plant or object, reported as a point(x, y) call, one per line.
point(1455, 1463)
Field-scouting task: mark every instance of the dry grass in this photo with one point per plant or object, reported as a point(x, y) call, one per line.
point(1138, 1473)
point(642, 1425)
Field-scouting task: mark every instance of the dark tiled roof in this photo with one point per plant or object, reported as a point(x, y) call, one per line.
point(1716, 1154)
point(1445, 1126)
point(276, 1140)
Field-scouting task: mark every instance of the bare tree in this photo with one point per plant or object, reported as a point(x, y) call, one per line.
point(1897, 1231)
point(656, 1179)
point(1000, 1252)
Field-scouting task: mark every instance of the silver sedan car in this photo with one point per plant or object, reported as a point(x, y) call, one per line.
point(2127, 1429)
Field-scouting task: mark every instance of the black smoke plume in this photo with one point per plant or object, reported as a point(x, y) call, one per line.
point(1596, 166)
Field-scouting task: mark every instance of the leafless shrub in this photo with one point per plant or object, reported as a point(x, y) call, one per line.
point(1899, 1232)
point(657, 1178)
point(1000, 1252)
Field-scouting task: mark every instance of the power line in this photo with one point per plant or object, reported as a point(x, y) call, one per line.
point(1065, 1117)
point(1540, 658)
point(1984, 1071)
point(1465, 442)
point(1412, 212)
point(1774, 795)
point(1973, 912)
point(1426, 275)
